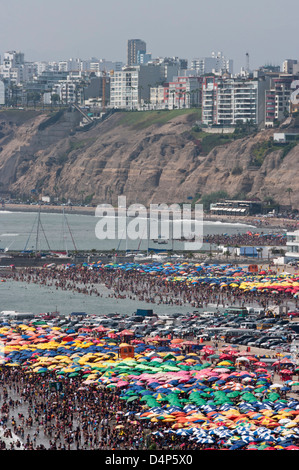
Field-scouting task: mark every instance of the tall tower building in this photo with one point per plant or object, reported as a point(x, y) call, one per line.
point(135, 46)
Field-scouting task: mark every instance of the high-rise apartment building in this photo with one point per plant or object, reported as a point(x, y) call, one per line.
point(227, 101)
point(290, 66)
point(130, 88)
point(217, 64)
point(278, 99)
point(134, 47)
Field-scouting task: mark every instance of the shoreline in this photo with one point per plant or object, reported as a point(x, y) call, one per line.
point(270, 223)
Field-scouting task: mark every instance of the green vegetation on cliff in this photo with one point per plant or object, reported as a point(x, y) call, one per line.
point(142, 119)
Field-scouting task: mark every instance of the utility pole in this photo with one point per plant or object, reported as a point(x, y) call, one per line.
point(247, 62)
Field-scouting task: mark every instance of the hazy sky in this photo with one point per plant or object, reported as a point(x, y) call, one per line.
point(60, 29)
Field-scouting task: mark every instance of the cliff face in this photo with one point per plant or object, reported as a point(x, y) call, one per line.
point(159, 163)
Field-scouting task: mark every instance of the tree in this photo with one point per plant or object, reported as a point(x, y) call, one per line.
point(33, 96)
point(173, 98)
point(55, 98)
point(14, 94)
point(259, 252)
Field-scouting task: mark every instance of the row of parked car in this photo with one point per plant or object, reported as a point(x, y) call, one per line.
point(254, 330)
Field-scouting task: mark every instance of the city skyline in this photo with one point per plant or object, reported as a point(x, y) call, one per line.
point(70, 29)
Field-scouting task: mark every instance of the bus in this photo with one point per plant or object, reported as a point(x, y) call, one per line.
point(13, 315)
point(238, 311)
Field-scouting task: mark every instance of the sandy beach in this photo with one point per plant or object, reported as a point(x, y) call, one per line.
point(261, 222)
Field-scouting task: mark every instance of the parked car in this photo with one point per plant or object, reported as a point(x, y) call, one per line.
point(293, 314)
point(257, 342)
point(239, 339)
point(247, 340)
point(270, 343)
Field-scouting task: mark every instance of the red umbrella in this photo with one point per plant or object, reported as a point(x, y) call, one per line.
point(225, 356)
point(112, 335)
point(286, 371)
point(101, 328)
point(126, 333)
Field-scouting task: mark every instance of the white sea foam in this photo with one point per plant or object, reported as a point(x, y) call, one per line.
point(219, 222)
point(9, 234)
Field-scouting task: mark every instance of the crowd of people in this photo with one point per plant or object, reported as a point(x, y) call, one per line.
point(88, 417)
point(247, 239)
point(73, 416)
point(151, 289)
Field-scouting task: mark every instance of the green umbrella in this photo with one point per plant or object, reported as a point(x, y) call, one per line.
point(42, 370)
point(248, 396)
point(184, 367)
point(233, 394)
point(145, 397)
point(204, 394)
point(223, 401)
point(198, 401)
point(132, 398)
point(169, 356)
point(273, 396)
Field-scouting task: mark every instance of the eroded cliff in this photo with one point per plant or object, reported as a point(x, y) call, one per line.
point(162, 162)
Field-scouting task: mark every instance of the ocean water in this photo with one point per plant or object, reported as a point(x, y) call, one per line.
point(23, 297)
point(18, 231)
point(24, 230)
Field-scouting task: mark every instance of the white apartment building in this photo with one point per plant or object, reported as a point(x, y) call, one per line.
point(100, 65)
point(130, 88)
point(157, 97)
point(278, 102)
point(67, 92)
point(184, 92)
point(70, 65)
point(290, 66)
point(2, 93)
point(217, 64)
point(226, 101)
point(292, 245)
point(12, 68)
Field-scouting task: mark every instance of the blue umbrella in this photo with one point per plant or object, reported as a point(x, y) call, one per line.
point(238, 445)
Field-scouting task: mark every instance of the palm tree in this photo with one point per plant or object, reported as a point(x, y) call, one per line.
point(259, 252)
point(187, 94)
point(227, 253)
point(173, 98)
